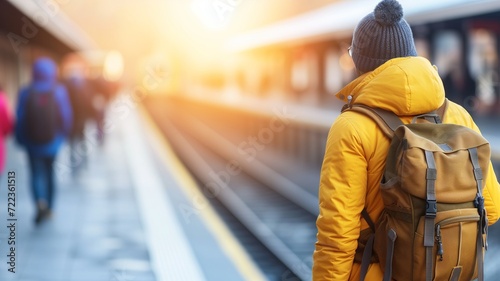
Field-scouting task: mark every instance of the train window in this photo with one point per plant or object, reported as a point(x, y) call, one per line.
point(333, 73)
point(300, 73)
point(273, 80)
point(253, 77)
point(314, 70)
point(483, 59)
point(447, 50)
point(276, 74)
point(422, 47)
point(459, 85)
point(482, 51)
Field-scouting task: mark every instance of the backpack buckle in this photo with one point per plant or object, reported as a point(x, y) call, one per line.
point(479, 203)
point(431, 209)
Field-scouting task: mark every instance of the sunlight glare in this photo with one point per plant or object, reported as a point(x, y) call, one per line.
point(212, 14)
point(113, 66)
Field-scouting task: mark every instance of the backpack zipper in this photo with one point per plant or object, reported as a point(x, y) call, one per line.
point(459, 219)
point(440, 250)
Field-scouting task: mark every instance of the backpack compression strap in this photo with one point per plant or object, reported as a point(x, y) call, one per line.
point(430, 213)
point(483, 220)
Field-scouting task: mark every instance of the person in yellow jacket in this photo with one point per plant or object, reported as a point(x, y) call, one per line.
point(392, 77)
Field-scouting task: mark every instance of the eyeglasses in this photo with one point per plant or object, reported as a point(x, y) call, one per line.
point(349, 51)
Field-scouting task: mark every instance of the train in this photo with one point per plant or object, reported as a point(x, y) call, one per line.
point(304, 59)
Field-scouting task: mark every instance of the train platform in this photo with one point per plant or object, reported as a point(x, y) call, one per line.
point(131, 214)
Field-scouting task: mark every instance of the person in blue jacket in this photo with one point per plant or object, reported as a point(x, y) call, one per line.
point(44, 119)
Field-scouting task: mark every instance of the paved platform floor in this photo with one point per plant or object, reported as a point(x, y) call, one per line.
point(118, 219)
point(96, 232)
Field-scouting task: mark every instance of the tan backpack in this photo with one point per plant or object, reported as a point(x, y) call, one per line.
point(434, 224)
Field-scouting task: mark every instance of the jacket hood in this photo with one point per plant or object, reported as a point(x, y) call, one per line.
point(44, 70)
point(406, 86)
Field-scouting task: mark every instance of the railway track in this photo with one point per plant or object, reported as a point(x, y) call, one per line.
point(279, 214)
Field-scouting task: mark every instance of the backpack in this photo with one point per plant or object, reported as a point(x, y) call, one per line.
point(42, 117)
point(434, 224)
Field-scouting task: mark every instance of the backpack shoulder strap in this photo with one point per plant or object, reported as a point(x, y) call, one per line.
point(387, 121)
point(441, 111)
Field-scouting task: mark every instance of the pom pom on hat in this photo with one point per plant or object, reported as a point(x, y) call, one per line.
point(388, 12)
point(380, 36)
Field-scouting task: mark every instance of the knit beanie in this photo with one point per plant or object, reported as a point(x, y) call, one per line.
point(380, 36)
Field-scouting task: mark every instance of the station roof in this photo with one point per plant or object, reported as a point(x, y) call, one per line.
point(55, 24)
point(339, 19)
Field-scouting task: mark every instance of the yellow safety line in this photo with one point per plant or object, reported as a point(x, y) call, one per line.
point(222, 234)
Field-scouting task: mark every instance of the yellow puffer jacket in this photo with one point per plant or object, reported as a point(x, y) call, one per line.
point(355, 158)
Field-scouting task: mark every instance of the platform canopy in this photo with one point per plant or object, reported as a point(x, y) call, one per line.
point(337, 20)
point(49, 16)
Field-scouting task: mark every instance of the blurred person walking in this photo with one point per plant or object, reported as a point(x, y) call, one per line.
point(392, 78)
point(103, 92)
point(44, 119)
point(6, 126)
point(80, 99)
